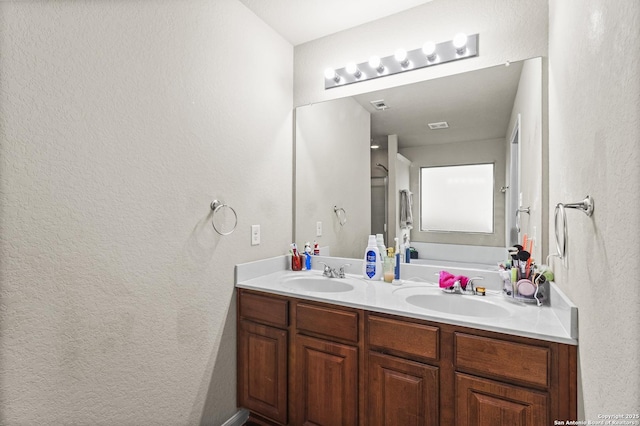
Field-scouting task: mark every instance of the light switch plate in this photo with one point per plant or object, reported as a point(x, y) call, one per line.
point(318, 229)
point(255, 235)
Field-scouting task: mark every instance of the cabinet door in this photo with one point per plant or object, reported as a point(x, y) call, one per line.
point(483, 402)
point(262, 370)
point(401, 392)
point(326, 377)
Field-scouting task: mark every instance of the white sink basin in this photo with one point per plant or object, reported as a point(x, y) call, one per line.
point(318, 284)
point(454, 304)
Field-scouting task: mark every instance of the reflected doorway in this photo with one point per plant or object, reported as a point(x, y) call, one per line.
point(379, 204)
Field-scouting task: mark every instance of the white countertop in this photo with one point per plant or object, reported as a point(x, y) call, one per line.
point(557, 323)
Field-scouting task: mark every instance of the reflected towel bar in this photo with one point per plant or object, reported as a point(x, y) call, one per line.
point(341, 220)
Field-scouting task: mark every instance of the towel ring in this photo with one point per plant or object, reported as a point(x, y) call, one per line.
point(586, 206)
point(341, 220)
point(217, 206)
point(521, 210)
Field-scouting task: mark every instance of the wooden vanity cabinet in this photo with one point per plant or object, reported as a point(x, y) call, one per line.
point(514, 381)
point(298, 361)
point(310, 363)
point(425, 373)
point(325, 365)
point(403, 376)
point(262, 371)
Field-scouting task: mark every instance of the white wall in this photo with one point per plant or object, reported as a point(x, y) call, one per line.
point(328, 136)
point(594, 148)
point(509, 31)
point(121, 121)
point(528, 104)
point(473, 152)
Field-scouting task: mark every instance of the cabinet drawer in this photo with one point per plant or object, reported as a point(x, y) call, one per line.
point(327, 321)
point(405, 337)
point(264, 309)
point(501, 359)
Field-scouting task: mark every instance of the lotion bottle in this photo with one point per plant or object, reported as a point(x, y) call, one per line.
point(372, 267)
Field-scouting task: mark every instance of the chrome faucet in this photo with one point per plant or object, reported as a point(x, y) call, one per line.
point(456, 288)
point(469, 290)
point(330, 272)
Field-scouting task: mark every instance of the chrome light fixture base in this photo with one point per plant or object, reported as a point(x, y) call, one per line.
point(415, 59)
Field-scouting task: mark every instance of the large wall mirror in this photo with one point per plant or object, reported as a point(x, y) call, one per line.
point(490, 117)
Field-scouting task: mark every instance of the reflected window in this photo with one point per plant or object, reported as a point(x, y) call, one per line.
point(457, 198)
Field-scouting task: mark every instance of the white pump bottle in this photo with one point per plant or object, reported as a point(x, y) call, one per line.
point(372, 268)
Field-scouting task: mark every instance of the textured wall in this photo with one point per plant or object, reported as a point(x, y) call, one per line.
point(509, 31)
point(120, 122)
point(594, 148)
point(328, 136)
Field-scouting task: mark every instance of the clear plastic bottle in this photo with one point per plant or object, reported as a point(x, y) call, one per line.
point(381, 247)
point(372, 267)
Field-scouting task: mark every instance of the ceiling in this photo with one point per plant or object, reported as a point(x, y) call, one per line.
point(300, 21)
point(477, 106)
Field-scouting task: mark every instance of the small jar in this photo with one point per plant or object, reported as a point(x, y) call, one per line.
point(481, 291)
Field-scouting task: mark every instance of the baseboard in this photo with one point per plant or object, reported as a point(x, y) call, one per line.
point(238, 419)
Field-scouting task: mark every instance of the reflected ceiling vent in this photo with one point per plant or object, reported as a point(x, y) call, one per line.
point(380, 105)
point(438, 126)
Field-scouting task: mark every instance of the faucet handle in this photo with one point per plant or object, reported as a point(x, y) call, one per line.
point(341, 270)
point(471, 284)
point(327, 270)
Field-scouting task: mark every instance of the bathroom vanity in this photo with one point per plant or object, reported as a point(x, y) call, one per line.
point(308, 357)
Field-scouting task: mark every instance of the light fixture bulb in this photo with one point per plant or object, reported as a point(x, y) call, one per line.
point(330, 74)
point(401, 56)
point(460, 42)
point(352, 69)
point(376, 63)
point(429, 49)
point(374, 146)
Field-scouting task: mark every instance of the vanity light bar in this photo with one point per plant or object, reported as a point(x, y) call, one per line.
point(429, 55)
